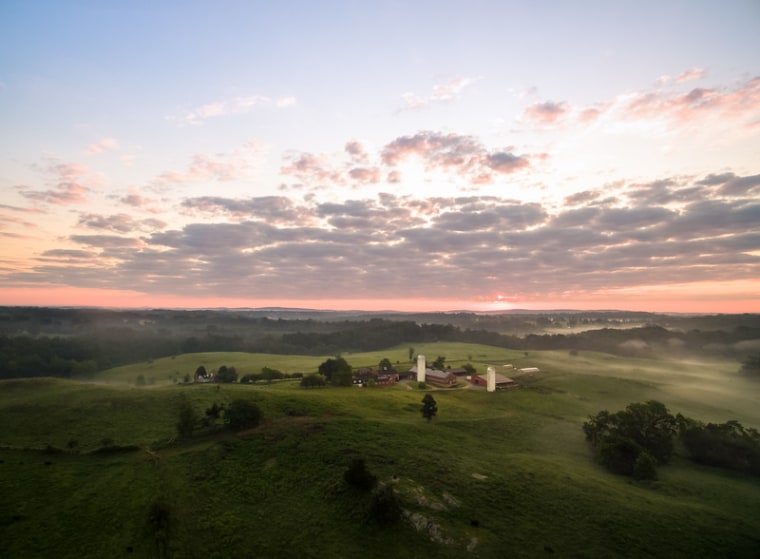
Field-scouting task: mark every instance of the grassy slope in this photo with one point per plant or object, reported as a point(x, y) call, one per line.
point(515, 461)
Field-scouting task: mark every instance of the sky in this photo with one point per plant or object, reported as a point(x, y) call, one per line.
point(409, 156)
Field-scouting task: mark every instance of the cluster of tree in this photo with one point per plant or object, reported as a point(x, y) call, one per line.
point(237, 415)
point(634, 441)
point(267, 374)
point(726, 445)
point(336, 371)
point(313, 381)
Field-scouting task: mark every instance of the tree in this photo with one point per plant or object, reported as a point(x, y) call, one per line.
point(632, 441)
point(725, 445)
point(439, 363)
point(312, 381)
point(429, 407)
point(385, 364)
point(213, 413)
point(226, 374)
point(469, 368)
point(242, 414)
point(200, 372)
point(411, 353)
point(271, 374)
point(188, 419)
point(337, 371)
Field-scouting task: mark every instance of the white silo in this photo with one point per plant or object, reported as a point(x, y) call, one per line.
point(420, 368)
point(491, 379)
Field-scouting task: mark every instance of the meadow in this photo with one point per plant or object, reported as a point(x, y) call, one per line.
point(95, 469)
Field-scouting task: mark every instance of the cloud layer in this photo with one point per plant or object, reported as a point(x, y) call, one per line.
point(666, 231)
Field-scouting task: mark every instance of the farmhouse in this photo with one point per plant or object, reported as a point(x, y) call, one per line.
point(362, 376)
point(502, 382)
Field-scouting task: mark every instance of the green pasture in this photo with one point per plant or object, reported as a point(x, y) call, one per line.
point(496, 475)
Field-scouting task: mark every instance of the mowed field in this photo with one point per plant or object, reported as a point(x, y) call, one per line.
point(506, 474)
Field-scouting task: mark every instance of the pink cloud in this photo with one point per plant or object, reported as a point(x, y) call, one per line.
point(356, 151)
point(364, 175)
point(70, 184)
point(548, 112)
point(742, 101)
point(103, 145)
point(444, 92)
point(692, 74)
point(221, 167)
point(236, 106)
point(313, 168)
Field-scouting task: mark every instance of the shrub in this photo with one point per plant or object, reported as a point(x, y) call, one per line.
point(242, 414)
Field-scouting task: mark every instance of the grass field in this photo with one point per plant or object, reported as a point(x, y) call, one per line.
point(506, 474)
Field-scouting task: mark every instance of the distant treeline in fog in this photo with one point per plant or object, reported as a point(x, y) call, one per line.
point(77, 343)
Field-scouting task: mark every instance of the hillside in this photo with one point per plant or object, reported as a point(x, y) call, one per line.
point(95, 469)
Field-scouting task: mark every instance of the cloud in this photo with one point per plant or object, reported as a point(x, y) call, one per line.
point(70, 183)
point(462, 155)
point(68, 254)
point(741, 102)
point(546, 113)
point(230, 107)
point(441, 93)
point(219, 167)
point(356, 151)
point(120, 223)
point(727, 107)
point(271, 209)
point(692, 74)
point(675, 229)
point(103, 145)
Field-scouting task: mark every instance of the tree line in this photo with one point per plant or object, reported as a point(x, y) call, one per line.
point(79, 356)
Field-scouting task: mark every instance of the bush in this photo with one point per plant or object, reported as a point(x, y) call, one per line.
point(242, 414)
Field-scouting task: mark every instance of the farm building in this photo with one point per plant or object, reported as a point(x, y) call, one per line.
point(446, 378)
point(529, 370)
point(501, 381)
point(440, 377)
point(362, 376)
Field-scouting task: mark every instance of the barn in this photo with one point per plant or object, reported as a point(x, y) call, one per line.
point(501, 381)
